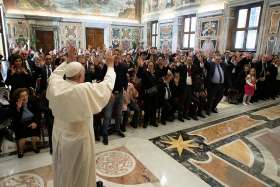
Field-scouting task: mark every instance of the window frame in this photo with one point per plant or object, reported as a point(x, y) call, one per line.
point(246, 29)
point(189, 32)
point(154, 35)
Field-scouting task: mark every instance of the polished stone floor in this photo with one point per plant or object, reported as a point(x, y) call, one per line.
point(239, 146)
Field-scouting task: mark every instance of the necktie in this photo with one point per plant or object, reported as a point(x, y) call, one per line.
point(220, 73)
point(189, 70)
point(168, 92)
point(49, 71)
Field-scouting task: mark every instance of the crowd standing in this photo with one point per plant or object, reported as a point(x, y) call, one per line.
point(151, 87)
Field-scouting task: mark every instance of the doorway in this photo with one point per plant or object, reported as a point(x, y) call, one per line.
point(94, 38)
point(44, 40)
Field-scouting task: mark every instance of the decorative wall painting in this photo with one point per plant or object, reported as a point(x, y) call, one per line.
point(116, 32)
point(271, 45)
point(150, 6)
point(111, 8)
point(209, 28)
point(166, 36)
point(275, 21)
point(125, 36)
point(208, 34)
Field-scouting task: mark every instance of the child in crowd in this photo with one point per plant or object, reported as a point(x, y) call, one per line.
point(250, 86)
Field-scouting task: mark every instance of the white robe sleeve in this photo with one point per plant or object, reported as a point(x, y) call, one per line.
point(98, 94)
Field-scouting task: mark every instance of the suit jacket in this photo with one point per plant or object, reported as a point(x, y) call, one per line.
point(210, 67)
point(162, 86)
point(235, 77)
point(41, 72)
point(183, 70)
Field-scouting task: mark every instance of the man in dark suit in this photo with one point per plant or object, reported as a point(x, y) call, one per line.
point(41, 74)
point(261, 71)
point(186, 84)
point(165, 97)
point(216, 78)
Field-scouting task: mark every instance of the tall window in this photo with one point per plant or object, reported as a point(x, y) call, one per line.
point(189, 32)
point(154, 33)
point(247, 28)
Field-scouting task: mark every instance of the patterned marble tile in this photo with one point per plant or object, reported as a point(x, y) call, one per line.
point(225, 129)
point(118, 166)
point(271, 113)
point(121, 167)
point(200, 153)
point(241, 153)
point(228, 174)
point(220, 153)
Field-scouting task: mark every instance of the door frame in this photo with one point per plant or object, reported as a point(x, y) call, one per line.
point(35, 28)
point(86, 28)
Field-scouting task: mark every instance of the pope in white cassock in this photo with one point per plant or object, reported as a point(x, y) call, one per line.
point(73, 104)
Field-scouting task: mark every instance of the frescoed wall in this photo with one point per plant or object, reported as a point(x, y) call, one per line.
point(151, 6)
point(209, 33)
point(126, 37)
point(111, 8)
point(272, 32)
point(18, 33)
point(166, 36)
point(71, 33)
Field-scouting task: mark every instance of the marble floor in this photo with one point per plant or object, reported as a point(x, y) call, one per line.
point(239, 147)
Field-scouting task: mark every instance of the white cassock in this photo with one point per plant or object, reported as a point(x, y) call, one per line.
point(73, 106)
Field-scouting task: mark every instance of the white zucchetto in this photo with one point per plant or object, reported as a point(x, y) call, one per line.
point(73, 68)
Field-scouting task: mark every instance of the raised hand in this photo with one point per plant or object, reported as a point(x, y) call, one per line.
point(19, 104)
point(72, 51)
point(33, 125)
point(110, 58)
point(140, 62)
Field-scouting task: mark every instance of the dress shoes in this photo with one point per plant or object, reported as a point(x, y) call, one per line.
point(133, 125)
point(181, 119)
point(97, 138)
point(170, 119)
point(215, 110)
point(163, 122)
point(36, 150)
point(120, 134)
point(195, 118)
point(99, 184)
point(105, 140)
point(187, 117)
point(201, 115)
point(123, 129)
point(154, 124)
point(20, 155)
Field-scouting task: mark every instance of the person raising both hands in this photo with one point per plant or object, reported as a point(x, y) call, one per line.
point(73, 104)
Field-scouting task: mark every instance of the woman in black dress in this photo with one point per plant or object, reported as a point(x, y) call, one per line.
point(149, 83)
point(18, 77)
point(25, 119)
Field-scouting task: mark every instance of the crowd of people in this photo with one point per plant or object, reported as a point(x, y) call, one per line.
point(163, 86)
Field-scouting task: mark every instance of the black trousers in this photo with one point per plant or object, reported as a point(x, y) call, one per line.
point(278, 87)
point(97, 125)
point(150, 107)
point(168, 109)
point(188, 100)
point(215, 95)
point(181, 100)
point(261, 91)
point(49, 122)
